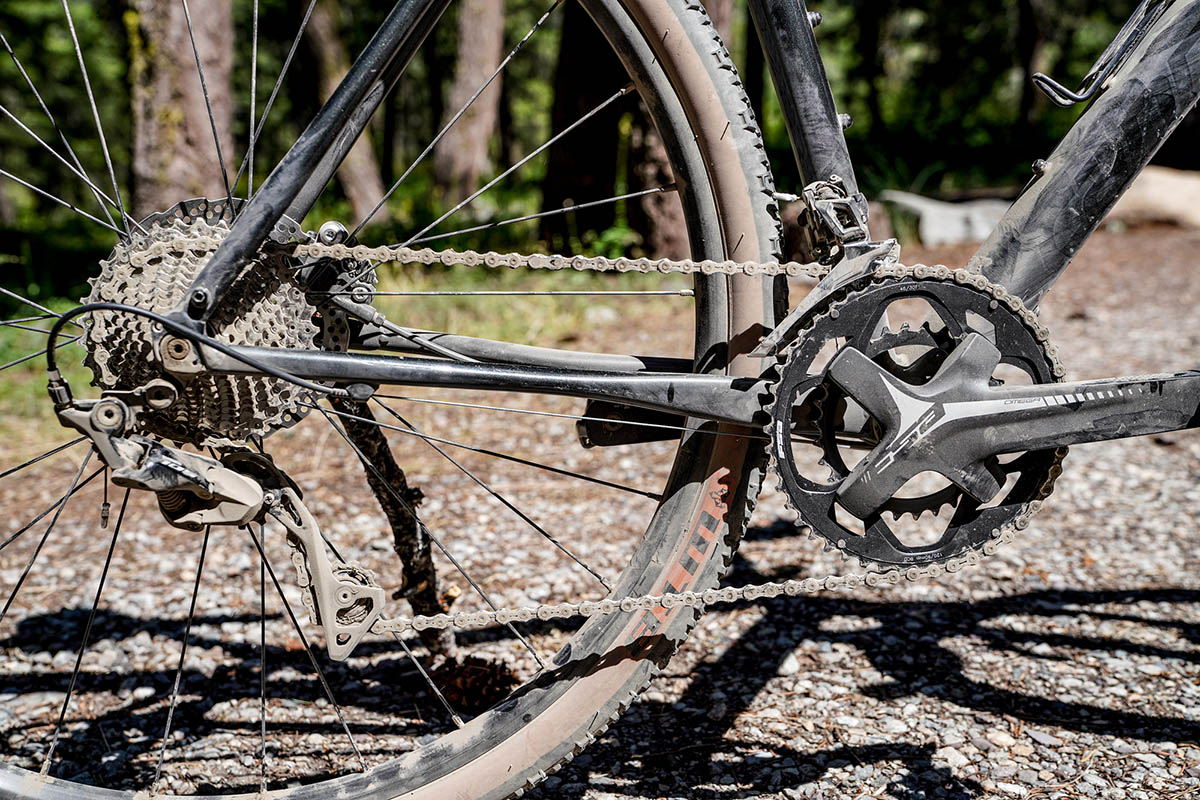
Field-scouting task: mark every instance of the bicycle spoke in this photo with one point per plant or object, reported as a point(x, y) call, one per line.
point(187, 633)
point(287, 63)
point(18, 326)
point(502, 499)
point(87, 632)
point(250, 127)
point(35, 318)
point(41, 352)
point(44, 455)
point(429, 680)
point(492, 453)
point(425, 529)
point(96, 115)
point(212, 120)
point(32, 304)
point(67, 164)
point(307, 648)
point(262, 659)
point(62, 202)
point(446, 128)
point(62, 136)
point(530, 292)
point(56, 504)
point(552, 212)
point(53, 521)
point(556, 137)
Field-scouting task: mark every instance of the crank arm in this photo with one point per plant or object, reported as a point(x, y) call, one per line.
point(951, 424)
point(333, 598)
point(717, 397)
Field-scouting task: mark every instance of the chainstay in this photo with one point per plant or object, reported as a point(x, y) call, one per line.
point(698, 600)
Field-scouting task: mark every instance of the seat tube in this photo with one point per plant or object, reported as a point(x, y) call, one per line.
point(798, 73)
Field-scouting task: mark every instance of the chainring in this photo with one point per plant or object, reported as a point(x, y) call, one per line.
point(856, 317)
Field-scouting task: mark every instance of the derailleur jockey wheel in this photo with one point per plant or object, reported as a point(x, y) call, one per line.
point(819, 431)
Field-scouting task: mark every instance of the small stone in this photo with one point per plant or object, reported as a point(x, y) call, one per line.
point(849, 722)
point(1043, 738)
point(893, 725)
point(1027, 776)
point(1021, 750)
point(789, 666)
point(1001, 739)
point(983, 744)
point(143, 693)
point(1148, 758)
point(952, 757)
point(1012, 789)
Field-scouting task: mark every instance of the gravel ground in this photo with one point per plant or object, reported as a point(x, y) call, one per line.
point(1066, 666)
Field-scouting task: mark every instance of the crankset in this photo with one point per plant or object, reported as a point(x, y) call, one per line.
point(903, 418)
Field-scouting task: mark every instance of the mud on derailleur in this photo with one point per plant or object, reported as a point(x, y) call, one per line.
point(195, 491)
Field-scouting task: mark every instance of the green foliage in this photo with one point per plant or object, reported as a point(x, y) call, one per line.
point(939, 91)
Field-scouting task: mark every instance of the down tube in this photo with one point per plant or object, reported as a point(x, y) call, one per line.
point(1098, 160)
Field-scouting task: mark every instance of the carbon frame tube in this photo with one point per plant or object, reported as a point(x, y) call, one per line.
point(303, 172)
point(724, 398)
point(1098, 159)
point(803, 89)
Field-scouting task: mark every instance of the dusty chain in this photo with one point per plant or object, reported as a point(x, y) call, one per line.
point(672, 600)
point(470, 258)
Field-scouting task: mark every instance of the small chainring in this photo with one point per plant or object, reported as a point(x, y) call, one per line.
point(812, 471)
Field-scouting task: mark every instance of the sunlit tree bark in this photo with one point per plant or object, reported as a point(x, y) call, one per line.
point(358, 174)
point(174, 153)
point(461, 158)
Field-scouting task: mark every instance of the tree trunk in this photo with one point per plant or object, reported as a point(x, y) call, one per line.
point(583, 164)
point(359, 171)
point(174, 155)
point(461, 157)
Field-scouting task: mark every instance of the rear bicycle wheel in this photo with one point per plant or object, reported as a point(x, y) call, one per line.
point(686, 81)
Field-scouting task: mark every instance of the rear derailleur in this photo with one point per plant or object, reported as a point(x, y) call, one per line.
point(195, 491)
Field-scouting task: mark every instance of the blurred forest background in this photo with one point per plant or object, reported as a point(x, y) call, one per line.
point(939, 91)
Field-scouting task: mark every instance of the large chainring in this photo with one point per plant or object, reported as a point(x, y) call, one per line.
point(265, 307)
point(951, 522)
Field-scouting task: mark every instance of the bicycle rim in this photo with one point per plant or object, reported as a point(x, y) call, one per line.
point(685, 78)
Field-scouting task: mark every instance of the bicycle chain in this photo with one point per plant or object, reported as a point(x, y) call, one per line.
point(700, 600)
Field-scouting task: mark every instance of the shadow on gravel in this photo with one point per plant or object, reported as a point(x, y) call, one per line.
point(677, 749)
point(117, 746)
point(659, 749)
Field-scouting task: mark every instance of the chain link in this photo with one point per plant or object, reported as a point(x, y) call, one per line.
point(699, 600)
